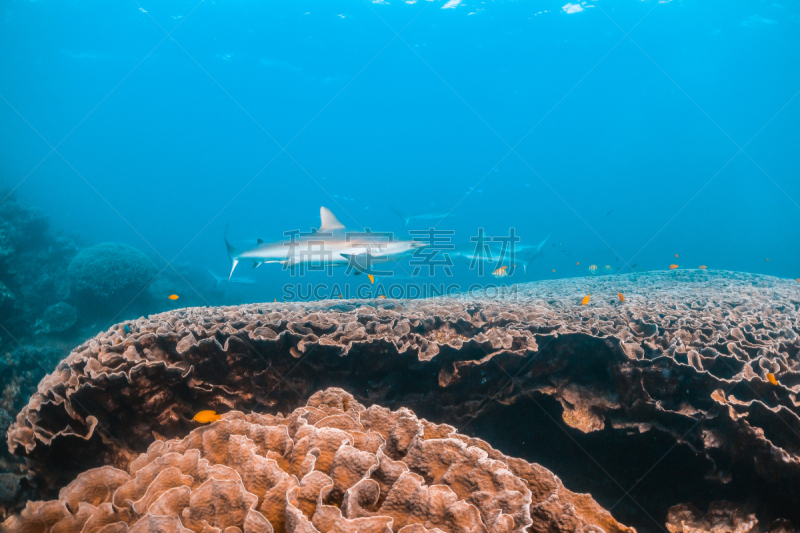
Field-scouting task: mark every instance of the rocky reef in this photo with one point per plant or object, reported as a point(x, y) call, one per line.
point(330, 466)
point(664, 399)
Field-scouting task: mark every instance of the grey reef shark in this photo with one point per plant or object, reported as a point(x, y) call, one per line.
point(490, 253)
point(329, 245)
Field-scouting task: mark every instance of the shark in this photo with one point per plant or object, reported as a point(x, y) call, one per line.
point(219, 280)
point(330, 245)
point(471, 253)
point(427, 215)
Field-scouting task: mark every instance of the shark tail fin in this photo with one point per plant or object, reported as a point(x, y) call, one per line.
point(406, 220)
point(217, 280)
point(233, 254)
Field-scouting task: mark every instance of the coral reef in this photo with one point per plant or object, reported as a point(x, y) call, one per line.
point(109, 276)
point(40, 320)
point(33, 262)
point(57, 318)
point(648, 403)
point(722, 517)
point(331, 466)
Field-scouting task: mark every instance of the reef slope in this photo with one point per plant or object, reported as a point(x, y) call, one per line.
point(661, 399)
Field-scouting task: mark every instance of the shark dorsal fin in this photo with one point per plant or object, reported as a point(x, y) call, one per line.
point(260, 241)
point(329, 220)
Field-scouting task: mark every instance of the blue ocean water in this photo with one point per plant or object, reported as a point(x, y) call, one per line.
point(625, 135)
point(629, 131)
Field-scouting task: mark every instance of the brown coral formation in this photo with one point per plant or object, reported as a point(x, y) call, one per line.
point(722, 517)
point(673, 376)
point(333, 466)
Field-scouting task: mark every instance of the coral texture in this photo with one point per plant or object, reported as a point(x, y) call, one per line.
point(332, 466)
point(677, 375)
point(110, 273)
point(722, 517)
point(58, 317)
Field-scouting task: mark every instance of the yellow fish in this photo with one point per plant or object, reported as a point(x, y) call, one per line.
point(771, 378)
point(592, 268)
point(371, 279)
point(621, 297)
point(501, 272)
point(173, 296)
point(206, 417)
point(585, 300)
point(673, 267)
point(607, 268)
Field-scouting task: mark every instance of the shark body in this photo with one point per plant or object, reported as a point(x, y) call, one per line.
point(219, 280)
point(428, 215)
point(330, 245)
point(491, 252)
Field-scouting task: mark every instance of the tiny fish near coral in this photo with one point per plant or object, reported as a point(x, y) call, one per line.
point(501, 272)
point(206, 417)
point(621, 297)
point(771, 378)
point(173, 296)
point(585, 299)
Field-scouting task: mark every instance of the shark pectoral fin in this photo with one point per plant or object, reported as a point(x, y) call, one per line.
point(233, 267)
point(260, 241)
point(256, 265)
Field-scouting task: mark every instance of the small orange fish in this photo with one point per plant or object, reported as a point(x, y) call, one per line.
point(578, 263)
point(702, 267)
point(554, 270)
point(673, 267)
point(621, 297)
point(173, 296)
point(676, 255)
point(771, 378)
point(798, 280)
point(585, 300)
point(206, 417)
point(381, 296)
point(767, 259)
point(501, 272)
point(371, 279)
